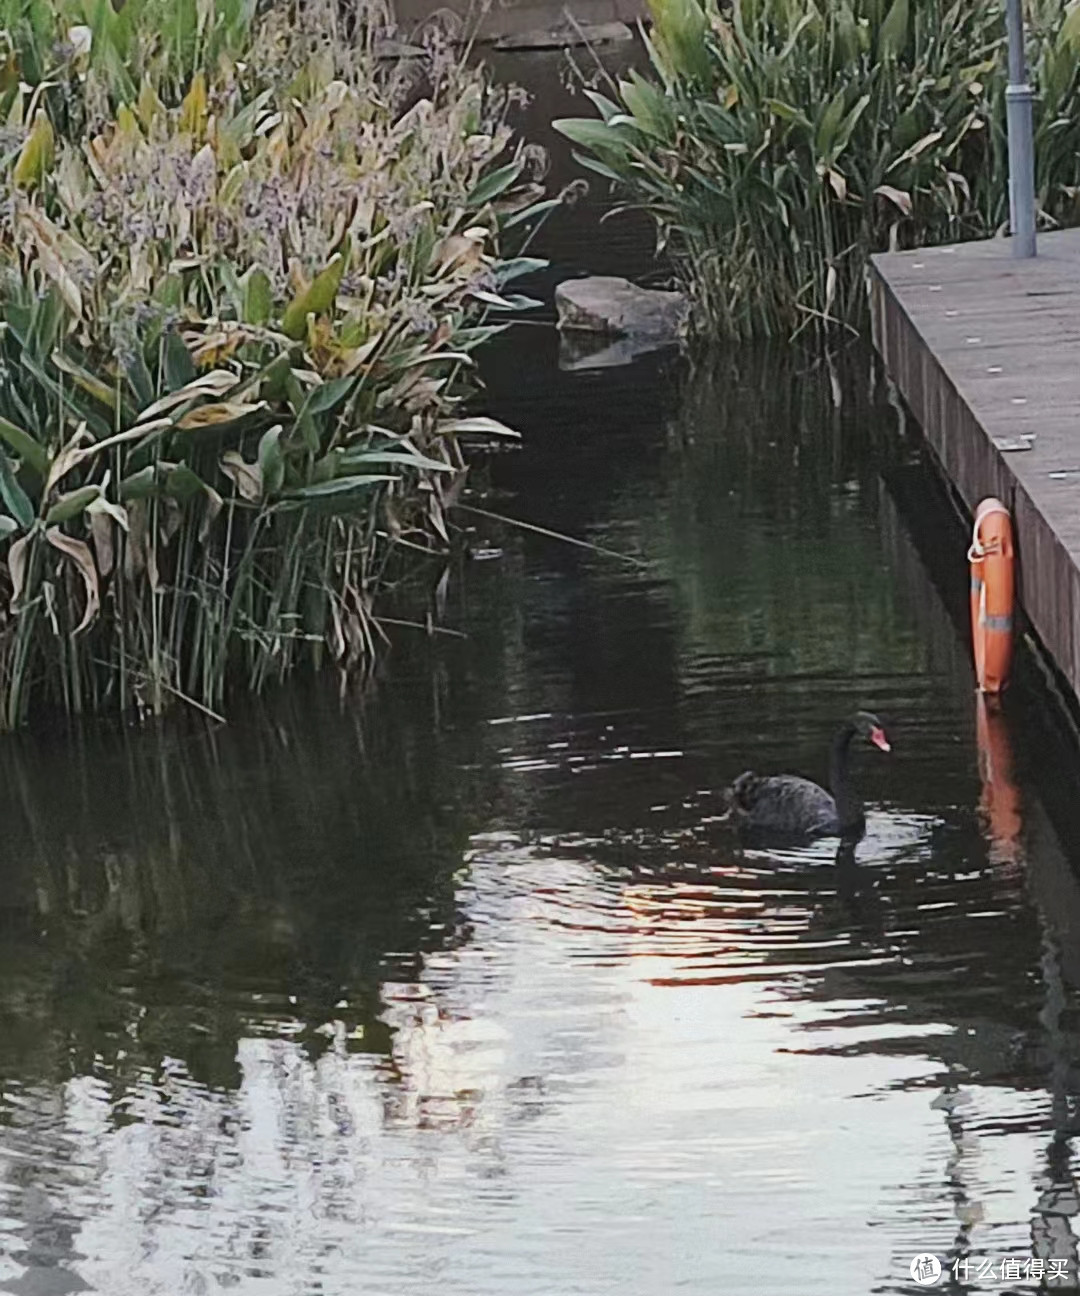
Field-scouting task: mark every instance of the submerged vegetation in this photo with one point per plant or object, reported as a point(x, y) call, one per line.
point(780, 142)
point(244, 262)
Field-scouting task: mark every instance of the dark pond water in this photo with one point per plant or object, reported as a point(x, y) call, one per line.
point(457, 986)
point(589, 231)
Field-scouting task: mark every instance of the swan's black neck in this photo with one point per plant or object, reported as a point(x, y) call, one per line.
point(849, 808)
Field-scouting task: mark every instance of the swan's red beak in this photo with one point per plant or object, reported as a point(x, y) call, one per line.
point(877, 737)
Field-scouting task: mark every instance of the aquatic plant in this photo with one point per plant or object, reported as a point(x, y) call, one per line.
point(235, 334)
point(780, 142)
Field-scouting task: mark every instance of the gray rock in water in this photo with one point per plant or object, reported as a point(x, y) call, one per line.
point(617, 308)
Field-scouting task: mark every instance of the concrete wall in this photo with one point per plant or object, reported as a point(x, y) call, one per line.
point(516, 17)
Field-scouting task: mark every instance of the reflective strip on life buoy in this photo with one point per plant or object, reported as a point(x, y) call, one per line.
point(991, 557)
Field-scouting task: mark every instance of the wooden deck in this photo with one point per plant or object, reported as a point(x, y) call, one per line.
point(985, 350)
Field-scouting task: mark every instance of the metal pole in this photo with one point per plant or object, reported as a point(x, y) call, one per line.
point(1018, 97)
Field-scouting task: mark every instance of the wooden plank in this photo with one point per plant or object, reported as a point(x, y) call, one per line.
point(983, 347)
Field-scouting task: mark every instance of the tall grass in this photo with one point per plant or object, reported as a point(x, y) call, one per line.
point(779, 142)
point(236, 329)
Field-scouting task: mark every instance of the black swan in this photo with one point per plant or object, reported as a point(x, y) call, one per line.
point(787, 805)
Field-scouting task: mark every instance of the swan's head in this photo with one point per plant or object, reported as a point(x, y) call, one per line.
point(868, 726)
point(738, 790)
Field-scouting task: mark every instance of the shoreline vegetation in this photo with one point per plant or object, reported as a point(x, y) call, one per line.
point(244, 266)
point(778, 143)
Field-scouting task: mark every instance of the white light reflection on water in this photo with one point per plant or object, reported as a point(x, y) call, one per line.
point(581, 1099)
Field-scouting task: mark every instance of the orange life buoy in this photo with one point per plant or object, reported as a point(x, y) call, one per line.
point(991, 559)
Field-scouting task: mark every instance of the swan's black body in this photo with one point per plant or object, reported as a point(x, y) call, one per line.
point(789, 806)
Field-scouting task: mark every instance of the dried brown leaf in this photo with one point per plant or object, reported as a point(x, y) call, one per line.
point(435, 514)
point(216, 347)
point(217, 412)
point(80, 555)
point(246, 477)
point(215, 383)
point(56, 271)
point(69, 457)
point(101, 528)
point(898, 197)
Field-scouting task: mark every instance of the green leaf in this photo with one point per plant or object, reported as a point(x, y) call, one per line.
point(327, 396)
point(179, 367)
point(358, 458)
point(517, 267)
point(340, 485)
point(652, 110)
point(71, 504)
point(679, 32)
point(804, 22)
point(31, 452)
point(258, 296)
point(225, 269)
point(13, 495)
point(182, 483)
point(493, 184)
point(786, 112)
point(847, 126)
point(606, 108)
point(298, 398)
point(591, 164)
point(531, 213)
point(144, 483)
point(893, 35)
point(46, 321)
point(828, 122)
point(594, 135)
point(271, 460)
point(1069, 33)
point(139, 381)
point(8, 526)
point(327, 467)
point(35, 161)
point(316, 299)
point(68, 395)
